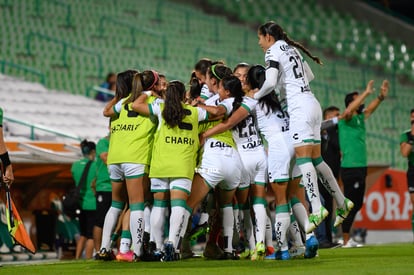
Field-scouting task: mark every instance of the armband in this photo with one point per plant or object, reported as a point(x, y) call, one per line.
point(381, 97)
point(5, 159)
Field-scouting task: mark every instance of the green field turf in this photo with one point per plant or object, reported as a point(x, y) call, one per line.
point(379, 259)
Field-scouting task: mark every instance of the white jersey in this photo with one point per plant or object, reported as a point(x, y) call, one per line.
point(275, 130)
point(249, 144)
point(270, 123)
point(205, 92)
point(245, 134)
point(213, 101)
point(292, 78)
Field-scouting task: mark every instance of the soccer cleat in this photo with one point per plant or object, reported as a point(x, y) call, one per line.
point(352, 243)
point(136, 258)
point(297, 251)
point(343, 212)
point(259, 252)
point(212, 251)
point(246, 254)
point(199, 230)
point(105, 255)
point(271, 256)
point(228, 256)
point(315, 219)
point(169, 252)
point(282, 255)
point(270, 250)
point(312, 246)
point(125, 257)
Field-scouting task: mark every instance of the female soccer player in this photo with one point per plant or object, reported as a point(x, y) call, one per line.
point(286, 71)
point(128, 159)
point(220, 164)
point(173, 161)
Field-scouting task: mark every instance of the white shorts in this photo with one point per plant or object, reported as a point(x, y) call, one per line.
point(279, 157)
point(305, 122)
point(166, 184)
point(220, 166)
point(255, 167)
point(121, 171)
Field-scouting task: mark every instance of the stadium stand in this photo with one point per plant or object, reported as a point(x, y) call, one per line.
point(72, 44)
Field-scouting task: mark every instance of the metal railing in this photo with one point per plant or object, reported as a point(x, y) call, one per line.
point(33, 127)
point(65, 46)
point(25, 69)
point(68, 7)
point(133, 31)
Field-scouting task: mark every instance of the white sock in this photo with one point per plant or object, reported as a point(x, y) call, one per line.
point(294, 232)
point(137, 224)
point(228, 223)
point(186, 220)
point(329, 182)
point(111, 219)
point(261, 218)
point(248, 228)
point(238, 218)
point(177, 222)
point(203, 218)
point(147, 218)
point(269, 233)
point(124, 245)
point(300, 213)
point(157, 221)
point(281, 228)
point(310, 180)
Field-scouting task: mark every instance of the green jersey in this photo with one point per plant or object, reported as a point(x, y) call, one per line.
point(1, 117)
point(88, 201)
point(175, 149)
point(404, 138)
point(352, 136)
point(103, 182)
point(132, 136)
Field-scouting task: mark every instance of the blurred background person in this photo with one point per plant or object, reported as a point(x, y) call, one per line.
point(83, 172)
point(407, 151)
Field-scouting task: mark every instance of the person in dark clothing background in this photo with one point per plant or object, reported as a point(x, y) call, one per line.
point(332, 156)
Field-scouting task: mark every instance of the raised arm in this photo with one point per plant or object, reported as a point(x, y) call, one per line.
point(347, 114)
point(268, 86)
point(376, 102)
point(109, 108)
point(140, 105)
point(240, 114)
point(214, 111)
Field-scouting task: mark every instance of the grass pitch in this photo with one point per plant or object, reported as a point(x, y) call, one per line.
point(376, 259)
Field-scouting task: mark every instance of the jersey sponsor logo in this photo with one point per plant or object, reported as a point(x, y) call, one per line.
point(124, 127)
point(285, 48)
point(252, 144)
point(179, 140)
point(218, 144)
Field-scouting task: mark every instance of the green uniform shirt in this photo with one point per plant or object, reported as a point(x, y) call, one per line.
point(1, 117)
point(88, 201)
point(132, 136)
point(352, 142)
point(103, 182)
point(404, 138)
point(175, 149)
